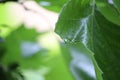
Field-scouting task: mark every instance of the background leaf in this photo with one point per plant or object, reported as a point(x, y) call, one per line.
point(110, 9)
point(42, 59)
point(52, 4)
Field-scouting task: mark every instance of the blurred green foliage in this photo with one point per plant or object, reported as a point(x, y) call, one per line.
point(52, 5)
point(86, 29)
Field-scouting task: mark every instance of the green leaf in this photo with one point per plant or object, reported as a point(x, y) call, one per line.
point(81, 21)
point(110, 9)
point(76, 26)
point(82, 62)
point(116, 4)
point(14, 43)
point(70, 22)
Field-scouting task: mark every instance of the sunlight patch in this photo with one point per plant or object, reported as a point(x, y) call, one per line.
point(29, 48)
point(110, 2)
point(44, 3)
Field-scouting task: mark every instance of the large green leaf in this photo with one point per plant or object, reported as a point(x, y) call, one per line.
point(81, 21)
